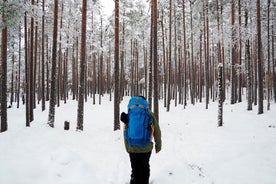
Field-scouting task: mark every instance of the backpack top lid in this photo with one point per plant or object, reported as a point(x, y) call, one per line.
point(138, 101)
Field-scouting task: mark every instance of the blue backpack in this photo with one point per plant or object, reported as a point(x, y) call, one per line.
point(138, 132)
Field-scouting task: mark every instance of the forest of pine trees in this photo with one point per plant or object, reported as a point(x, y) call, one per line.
point(181, 51)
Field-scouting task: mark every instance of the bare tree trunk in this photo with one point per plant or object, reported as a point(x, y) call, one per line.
point(27, 90)
point(249, 67)
point(43, 57)
point(51, 116)
point(170, 58)
point(273, 64)
point(36, 60)
point(4, 123)
point(60, 59)
point(268, 74)
point(94, 75)
point(234, 57)
point(155, 60)
point(164, 59)
point(136, 61)
point(175, 57)
point(122, 57)
point(220, 99)
point(184, 54)
point(145, 65)
point(255, 68)
point(201, 80)
point(207, 67)
point(31, 69)
point(220, 58)
point(150, 60)
point(109, 78)
point(101, 65)
point(19, 67)
point(116, 70)
point(47, 70)
point(82, 67)
point(65, 72)
point(240, 55)
point(260, 66)
point(12, 81)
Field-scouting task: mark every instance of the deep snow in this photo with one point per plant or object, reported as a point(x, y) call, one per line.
point(195, 150)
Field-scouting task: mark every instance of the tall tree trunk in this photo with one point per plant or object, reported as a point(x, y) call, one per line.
point(73, 73)
point(268, 74)
point(101, 64)
point(234, 57)
point(150, 60)
point(191, 60)
point(184, 54)
point(35, 61)
point(116, 70)
point(47, 70)
point(201, 80)
point(155, 60)
point(12, 81)
point(255, 61)
point(207, 57)
point(31, 69)
point(122, 58)
point(60, 59)
point(273, 64)
point(220, 50)
point(4, 123)
point(51, 116)
point(240, 55)
point(27, 90)
point(164, 59)
point(248, 68)
point(82, 67)
point(145, 65)
point(175, 87)
point(260, 65)
point(19, 67)
point(43, 57)
point(170, 58)
point(220, 99)
point(65, 71)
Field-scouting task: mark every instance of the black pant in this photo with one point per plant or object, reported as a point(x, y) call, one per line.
point(140, 168)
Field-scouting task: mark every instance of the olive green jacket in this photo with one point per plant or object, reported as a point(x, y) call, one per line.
point(148, 147)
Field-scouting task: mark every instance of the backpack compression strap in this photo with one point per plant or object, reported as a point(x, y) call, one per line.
point(136, 105)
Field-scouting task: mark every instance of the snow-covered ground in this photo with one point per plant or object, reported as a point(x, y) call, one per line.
point(195, 150)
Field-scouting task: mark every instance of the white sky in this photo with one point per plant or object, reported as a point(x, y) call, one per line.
point(108, 6)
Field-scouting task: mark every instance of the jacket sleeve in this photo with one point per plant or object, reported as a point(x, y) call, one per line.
point(157, 134)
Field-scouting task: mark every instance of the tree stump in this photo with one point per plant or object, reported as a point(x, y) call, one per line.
point(66, 125)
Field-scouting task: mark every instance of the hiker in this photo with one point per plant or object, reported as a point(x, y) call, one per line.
point(138, 140)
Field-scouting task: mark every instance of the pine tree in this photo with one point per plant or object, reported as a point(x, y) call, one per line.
point(43, 58)
point(260, 66)
point(116, 70)
point(220, 94)
point(234, 56)
point(155, 60)
point(51, 116)
point(248, 68)
point(169, 58)
point(82, 67)
point(4, 121)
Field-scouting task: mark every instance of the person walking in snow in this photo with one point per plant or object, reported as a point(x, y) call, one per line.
point(140, 127)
